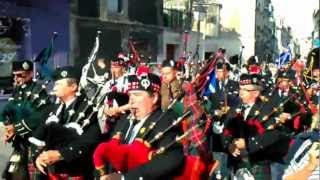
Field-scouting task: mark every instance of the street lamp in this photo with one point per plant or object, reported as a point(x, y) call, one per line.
point(199, 13)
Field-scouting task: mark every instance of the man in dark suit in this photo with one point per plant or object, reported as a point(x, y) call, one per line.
point(69, 135)
point(144, 101)
point(290, 101)
point(251, 146)
point(226, 90)
point(21, 116)
point(224, 97)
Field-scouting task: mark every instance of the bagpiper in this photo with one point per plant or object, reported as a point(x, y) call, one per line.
point(65, 142)
point(21, 116)
point(251, 146)
point(135, 136)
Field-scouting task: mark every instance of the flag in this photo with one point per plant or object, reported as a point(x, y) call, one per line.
point(211, 87)
point(284, 57)
point(45, 71)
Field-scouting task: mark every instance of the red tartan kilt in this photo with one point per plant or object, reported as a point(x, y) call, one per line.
point(194, 168)
point(52, 176)
point(112, 152)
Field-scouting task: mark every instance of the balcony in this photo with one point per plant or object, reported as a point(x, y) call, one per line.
point(177, 19)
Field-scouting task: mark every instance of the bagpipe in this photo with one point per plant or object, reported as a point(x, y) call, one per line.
point(28, 101)
point(312, 63)
point(24, 111)
point(268, 118)
point(140, 151)
point(54, 133)
point(134, 57)
point(28, 98)
point(87, 83)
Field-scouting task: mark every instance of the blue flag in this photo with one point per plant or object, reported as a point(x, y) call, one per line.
point(211, 86)
point(284, 57)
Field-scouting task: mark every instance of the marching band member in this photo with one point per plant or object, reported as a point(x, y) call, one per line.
point(251, 146)
point(116, 99)
point(67, 139)
point(170, 85)
point(21, 116)
point(144, 100)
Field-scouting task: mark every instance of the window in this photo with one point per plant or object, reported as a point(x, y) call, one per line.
point(114, 6)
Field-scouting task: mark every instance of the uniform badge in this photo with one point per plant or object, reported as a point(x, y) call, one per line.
point(25, 66)
point(142, 130)
point(256, 112)
point(145, 83)
point(64, 74)
point(71, 112)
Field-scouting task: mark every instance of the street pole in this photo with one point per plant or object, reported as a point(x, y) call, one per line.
point(198, 39)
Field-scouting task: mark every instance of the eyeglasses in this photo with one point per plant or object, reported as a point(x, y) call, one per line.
point(245, 89)
point(20, 75)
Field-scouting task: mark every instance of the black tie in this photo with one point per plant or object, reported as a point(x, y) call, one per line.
point(62, 112)
point(130, 131)
point(243, 108)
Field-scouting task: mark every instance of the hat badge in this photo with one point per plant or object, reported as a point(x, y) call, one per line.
point(25, 66)
point(64, 74)
point(171, 63)
point(254, 80)
point(145, 83)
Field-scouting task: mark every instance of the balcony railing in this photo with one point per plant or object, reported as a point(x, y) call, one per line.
point(177, 19)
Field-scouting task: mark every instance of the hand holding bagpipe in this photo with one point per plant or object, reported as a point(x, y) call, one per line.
point(46, 159)
point(9, 134)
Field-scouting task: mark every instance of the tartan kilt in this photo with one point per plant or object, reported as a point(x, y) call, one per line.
point(34, 173)
point(63, 176)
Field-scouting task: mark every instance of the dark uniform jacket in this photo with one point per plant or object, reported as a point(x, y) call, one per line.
point(261, 144)
point(295, 104)
point(31, 101)
point(230, 90)
point(76, 150)
point(162, 166)
point(25, 110)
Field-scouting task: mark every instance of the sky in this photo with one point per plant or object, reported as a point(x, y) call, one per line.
point(297, 14)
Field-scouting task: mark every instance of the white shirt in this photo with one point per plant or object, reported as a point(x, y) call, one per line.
point(136, 129)
point(68, 103)
point(247, 111)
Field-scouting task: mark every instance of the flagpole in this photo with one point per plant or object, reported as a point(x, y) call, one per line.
point(34, 69)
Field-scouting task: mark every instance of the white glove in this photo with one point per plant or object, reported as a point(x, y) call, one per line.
point(217, 127)
point(52, 118)
point(75, 126)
